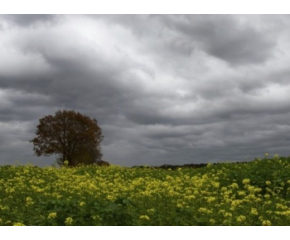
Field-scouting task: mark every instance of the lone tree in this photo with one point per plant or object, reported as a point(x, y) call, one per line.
point(73, 136)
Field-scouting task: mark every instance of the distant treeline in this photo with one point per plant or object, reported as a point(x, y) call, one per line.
point(174, 167)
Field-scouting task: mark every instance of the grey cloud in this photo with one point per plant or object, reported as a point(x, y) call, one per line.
point(21, 105)
point(138, 24)
point(25, 20)
point(222, 36)
point(225, 37)
point(165, 89)
point(235, 39)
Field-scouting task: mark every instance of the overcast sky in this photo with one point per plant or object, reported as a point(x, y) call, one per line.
point(165, 89)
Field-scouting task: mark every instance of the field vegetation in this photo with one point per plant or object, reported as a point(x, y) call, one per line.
point(254, 193)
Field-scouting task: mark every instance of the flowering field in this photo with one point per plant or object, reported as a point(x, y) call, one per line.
point(254, 193)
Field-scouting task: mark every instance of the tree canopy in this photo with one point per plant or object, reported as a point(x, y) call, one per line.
point(71, 135)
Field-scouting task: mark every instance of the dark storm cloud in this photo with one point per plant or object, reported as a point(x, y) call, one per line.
point(25, 20)
point(226, 37)
point(20, 105)
point(164, 88)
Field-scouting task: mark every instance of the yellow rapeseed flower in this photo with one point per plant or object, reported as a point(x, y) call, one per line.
point(211, 199)
point(241, 193)
point(68, 221)
point(241, 218)
point(286, 213)
point(251, 189)
point(144, 217)
point(187, 192)
point(179, 205)
point(254, 211)
point(191, 197)
point(151, 210)
point(266, 223)
point(212, 221)
point(228, 192)
point(204, 210)
point(97, 218)
point(52, 215)
point(267, 196)
point(236, 202)
point(256, 190)
point(18, 224)
point(9, 190)
point(168, 178)
point(281, 206)
point(110, 197)
point(251, 197)
point(234, 185)
point(222, 211)
point(29, 201)
point(215, 184)
point(227, 214)
point(226, 222)
point(223, 189)
point(246, 181)
point(82, 204)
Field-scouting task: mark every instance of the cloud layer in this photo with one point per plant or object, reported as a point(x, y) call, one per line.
point(168, 89)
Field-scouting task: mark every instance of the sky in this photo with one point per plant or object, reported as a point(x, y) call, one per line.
point(165, 89)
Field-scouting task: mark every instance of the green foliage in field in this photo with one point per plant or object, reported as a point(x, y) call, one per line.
point(254, 193)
